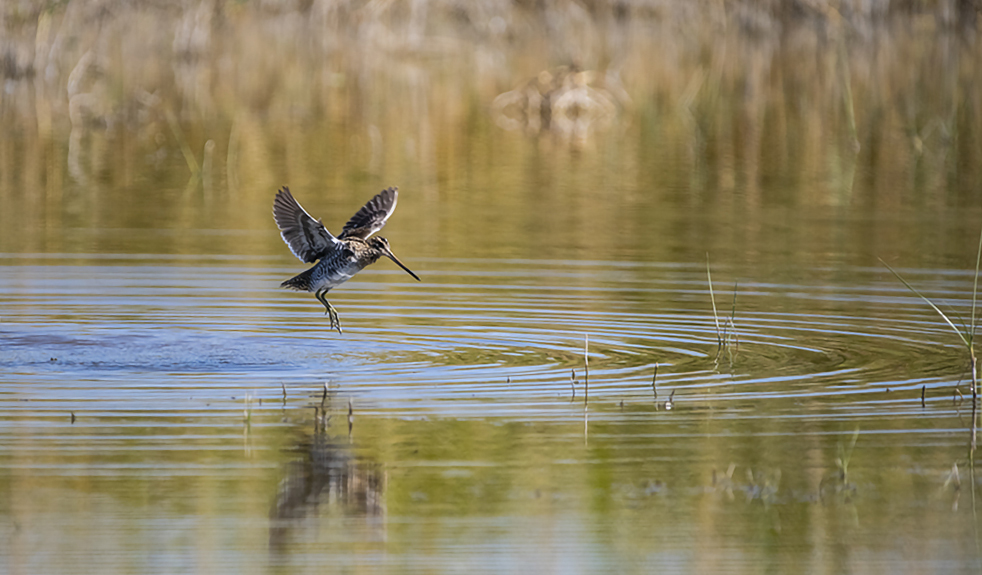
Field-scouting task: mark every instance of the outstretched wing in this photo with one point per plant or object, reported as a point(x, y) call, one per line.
point(308, 239)
point(371, 217)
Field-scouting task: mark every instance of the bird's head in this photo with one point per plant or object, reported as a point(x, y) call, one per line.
point(381, 245)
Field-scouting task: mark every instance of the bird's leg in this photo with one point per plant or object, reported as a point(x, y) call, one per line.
point(329, 309)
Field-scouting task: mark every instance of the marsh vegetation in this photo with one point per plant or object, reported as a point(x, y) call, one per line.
point(564, 169)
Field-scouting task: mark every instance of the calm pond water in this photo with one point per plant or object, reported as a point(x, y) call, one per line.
point(165, 407)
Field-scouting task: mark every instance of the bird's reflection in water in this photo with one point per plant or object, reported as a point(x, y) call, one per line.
point(328, 482)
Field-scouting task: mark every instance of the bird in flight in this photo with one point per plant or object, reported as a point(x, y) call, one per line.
point(340, 257)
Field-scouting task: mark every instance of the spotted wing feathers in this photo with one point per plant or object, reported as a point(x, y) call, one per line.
point(371, 217)
point(308, 239)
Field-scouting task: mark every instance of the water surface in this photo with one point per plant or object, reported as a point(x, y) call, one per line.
point(165, 407)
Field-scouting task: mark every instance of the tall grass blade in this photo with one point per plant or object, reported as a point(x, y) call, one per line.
point(709, 276)
point(975, 290)
point(967, 343)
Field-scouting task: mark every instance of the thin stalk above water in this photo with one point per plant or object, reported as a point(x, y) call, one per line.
point(712, 298)
point(968, 337)
point(586, 368)
point(728, 330)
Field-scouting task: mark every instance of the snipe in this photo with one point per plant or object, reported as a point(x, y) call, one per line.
point(340, 257)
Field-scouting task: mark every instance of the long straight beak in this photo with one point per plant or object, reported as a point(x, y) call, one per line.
point(393, 257)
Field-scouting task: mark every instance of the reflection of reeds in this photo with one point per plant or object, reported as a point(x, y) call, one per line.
point(247, 410)
point(183, 144)
point(333, 91)
point(838, 482)
point(565, 101)
point(954, 482)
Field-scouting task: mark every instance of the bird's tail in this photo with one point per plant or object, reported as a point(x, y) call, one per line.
point(300, 282)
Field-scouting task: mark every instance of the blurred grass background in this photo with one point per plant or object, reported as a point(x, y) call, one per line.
point(730, 103)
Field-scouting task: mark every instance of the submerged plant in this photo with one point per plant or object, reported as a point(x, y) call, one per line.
point(967, 336)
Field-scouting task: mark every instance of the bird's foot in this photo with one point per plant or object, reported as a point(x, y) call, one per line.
point(329, 310)
point(335, 319)
point(336, 322)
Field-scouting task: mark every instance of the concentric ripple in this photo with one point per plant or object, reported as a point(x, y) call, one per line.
point(476, 337)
